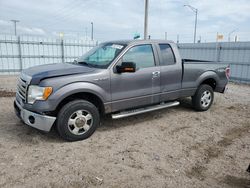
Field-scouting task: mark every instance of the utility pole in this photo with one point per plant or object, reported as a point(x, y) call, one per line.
point(166, 35)
point(178, 37)
point(15, 21)
point(86, 33)
point(236, 38)
point(195, 10)
point(195, 24)
point(199, 40)
point(229, 34)
point(92, 30)
point(146, 20)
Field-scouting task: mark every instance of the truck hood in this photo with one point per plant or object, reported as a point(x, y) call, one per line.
point(42, 72)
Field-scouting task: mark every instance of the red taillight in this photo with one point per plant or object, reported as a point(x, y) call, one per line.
point(227, 72)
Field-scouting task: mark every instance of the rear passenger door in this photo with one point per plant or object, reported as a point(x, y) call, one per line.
point(171, 73)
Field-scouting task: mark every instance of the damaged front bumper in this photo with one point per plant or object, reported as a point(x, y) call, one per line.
point(38, 121)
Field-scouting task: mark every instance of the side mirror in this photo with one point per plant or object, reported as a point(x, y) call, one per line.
point(126, 67)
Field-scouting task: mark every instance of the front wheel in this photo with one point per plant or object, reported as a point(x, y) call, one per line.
point(77, 120)
point(203, 98)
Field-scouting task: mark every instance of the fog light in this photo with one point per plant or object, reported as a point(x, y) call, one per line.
point(31, 119)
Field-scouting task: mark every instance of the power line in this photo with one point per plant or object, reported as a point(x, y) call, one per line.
point(66, 13)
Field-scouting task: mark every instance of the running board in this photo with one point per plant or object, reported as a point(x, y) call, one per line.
point(143, 110)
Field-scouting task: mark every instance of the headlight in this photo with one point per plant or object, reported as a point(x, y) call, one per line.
point(38, 93)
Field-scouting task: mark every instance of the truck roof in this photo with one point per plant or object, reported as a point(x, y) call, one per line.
point(136, 41)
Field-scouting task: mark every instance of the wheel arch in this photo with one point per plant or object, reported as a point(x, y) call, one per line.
point(210, 78)
point(85, 91)
point(93, 98)
point(211, 82)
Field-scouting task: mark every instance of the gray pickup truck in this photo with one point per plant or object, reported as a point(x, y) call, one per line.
point(121, 78)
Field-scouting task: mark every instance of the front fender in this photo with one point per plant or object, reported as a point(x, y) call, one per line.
point(78, 87)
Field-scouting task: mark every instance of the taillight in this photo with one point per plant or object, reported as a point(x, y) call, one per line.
point(227, 72)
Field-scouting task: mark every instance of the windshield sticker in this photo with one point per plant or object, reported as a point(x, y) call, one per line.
point(117, 46)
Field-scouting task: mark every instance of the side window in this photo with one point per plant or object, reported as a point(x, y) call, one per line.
point(167, 55)
point(141, 55)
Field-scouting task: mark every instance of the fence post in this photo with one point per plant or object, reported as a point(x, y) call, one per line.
point(62, 48)
point(20, 53)
point(219, 52)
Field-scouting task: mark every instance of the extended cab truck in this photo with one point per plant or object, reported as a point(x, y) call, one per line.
point(121, 78)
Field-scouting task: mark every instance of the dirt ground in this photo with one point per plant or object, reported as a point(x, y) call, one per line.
point(175, 147)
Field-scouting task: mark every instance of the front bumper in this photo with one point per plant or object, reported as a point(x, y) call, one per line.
point(38, 121)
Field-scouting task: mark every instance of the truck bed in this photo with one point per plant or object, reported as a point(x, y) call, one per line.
point(195, 70)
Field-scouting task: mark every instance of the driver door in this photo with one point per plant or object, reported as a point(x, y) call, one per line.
point(139, 88)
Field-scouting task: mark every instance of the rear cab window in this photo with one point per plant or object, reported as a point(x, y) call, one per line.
point(167, 56)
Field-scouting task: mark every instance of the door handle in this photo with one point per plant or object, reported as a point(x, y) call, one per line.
point(156, 74)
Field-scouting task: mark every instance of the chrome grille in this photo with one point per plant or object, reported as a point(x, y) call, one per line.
point(22, 87)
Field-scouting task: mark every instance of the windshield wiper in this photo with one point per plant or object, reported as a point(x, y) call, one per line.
point(85, 63)
point(88, 64)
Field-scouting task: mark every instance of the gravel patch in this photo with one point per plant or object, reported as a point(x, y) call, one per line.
point(175, 147)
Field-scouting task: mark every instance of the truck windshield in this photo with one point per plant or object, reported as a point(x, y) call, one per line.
point(101, 56)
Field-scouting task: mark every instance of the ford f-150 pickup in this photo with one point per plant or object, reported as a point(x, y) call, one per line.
point(121, 78)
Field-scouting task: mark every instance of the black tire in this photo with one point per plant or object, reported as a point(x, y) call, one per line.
point(198, 103)
point(66, 113)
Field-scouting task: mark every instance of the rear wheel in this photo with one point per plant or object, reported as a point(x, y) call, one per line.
point(77, 120)
point(203, 98)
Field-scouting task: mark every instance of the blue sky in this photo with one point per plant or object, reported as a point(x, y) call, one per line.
point(117, 19)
